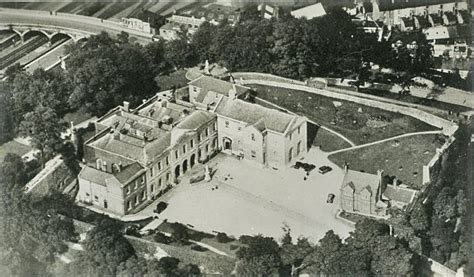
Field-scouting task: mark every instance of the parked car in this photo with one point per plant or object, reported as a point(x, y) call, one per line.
point(324, 169)
point(160, 207)
point(331, 197)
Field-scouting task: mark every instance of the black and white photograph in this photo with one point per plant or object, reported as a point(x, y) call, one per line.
point(245, 138)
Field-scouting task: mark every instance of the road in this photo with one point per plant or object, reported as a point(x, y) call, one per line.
point(86, 24)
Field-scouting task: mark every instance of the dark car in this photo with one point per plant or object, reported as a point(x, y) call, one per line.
point(324, 169)
point(330, 198)
point(160, 207)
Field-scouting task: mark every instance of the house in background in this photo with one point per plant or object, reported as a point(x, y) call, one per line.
point(309, 12)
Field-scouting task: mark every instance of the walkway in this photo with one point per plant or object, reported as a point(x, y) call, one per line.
point(385, 140)
point(323, 127)
point(66, 21)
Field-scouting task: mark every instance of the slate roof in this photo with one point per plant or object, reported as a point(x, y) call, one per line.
point(195, 120)
point(128, 172)
point(120, 147)
point(399, 194)
point(423, 21)
point(408, 22)
point(361, 180)
point(437, 19)
point(94, 175)
point(452, 18)
point(252, 113)
point(207, 83)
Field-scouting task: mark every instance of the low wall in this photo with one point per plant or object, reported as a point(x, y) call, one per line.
point(448, 128)
point(55, 176)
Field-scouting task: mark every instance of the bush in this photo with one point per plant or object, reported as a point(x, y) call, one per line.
point(180, 232)
point(198, 248)
point(162, 238)
point(222, 237)
point(233, 247)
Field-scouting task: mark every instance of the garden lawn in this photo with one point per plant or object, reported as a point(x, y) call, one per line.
point(176, 78)
point(13, 147)
point(359, 123)
point(403, 158)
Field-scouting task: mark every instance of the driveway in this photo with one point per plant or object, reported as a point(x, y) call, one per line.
point(251, 199)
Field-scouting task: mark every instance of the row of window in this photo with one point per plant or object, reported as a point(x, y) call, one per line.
point(167, 179)
point(136, 200)
point(298, 130)
point(139, 181)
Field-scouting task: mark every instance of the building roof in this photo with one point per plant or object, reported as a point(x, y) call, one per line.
point(213, 12)
point(207, 84)
point(361, 180)
point(437, 19)
point(252, 113)
point(124, 175)
point(408, 22)
point(94, 175)
point(451, 17)
point(195, 120)
point(387, 5)
point(399, 194)
point(309, 12)
point(423, 21)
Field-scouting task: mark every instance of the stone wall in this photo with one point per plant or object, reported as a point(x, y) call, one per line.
point(55, 176)
point(448, 128)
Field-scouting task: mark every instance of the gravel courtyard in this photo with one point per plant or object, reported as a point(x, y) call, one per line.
point(251, 199)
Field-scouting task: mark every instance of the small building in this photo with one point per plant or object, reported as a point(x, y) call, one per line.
point(371, 195)
point(178, 23)
point(407, 24)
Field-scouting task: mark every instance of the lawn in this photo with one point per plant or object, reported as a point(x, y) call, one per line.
point(176, 78)
point(403, 158)
point(13, 147)
point(361, 124)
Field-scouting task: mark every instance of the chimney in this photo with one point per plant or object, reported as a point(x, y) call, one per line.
point(116, 134)
point(164, 104)
point(233, 92)
point(126, 105)
point(380, 176)
point(395, 182)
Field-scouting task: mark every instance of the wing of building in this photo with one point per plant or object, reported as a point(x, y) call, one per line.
point(138, 154)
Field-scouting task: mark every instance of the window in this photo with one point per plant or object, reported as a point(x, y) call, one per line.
point(167, 177)
point(128, 190)
point(98, 164)
point(253, 137)
point(195, 89)
point(136, 184)
point(253, 153)
point(215, 126)
point(239, 128)
point(151, 171)
point(159, 183)
point(129, 205)
point(159, 166)
point(142, 181)
point(191, 143)
point(87, 194)
point(96, 198)
point(227, 124)
point(184, 148)
point(167, 160)
point(152, 187)
point(207, 148)
point(176, 155)
point(104, 166)
point(136, 199)
point(298, 148)
point(143, 195)
point(299, 130)
point(291, 135)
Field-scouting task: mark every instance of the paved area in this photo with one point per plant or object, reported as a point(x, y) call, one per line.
point(250, 200)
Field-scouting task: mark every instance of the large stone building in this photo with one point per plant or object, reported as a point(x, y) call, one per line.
point(138, 154)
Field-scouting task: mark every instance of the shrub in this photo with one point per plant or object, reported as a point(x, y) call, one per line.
point(162, 238)
point(198, 248)
point(180, 232)
point(233, 247)
point(222, 237)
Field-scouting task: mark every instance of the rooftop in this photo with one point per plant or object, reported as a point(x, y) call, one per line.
point(252, 113)
point(399, 194)
point(361, 180)
point(387, 5)
point(207, 84)
point(310, 11)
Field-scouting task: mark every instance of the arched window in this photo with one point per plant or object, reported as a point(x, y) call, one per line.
point(98, 164)
point(298, 148)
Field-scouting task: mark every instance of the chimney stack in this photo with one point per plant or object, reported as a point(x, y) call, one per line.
point(395, 182)
point(233, 92)
point(346, 167)
point(380, 176)
point(126, 105)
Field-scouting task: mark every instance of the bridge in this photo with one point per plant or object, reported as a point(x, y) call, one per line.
point(51, 24)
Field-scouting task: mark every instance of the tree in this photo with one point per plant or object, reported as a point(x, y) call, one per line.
point(105, 248)
point(7, 113)
point(419, 219)
point(106, 72)
point(180, 232)
point(259, 257)
point(13, 170)
point(179, 53)
point(44, 128)
point(390, 257)
point(294, 255)
point(12, 71)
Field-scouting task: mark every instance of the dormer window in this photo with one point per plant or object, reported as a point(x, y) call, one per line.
point(253, 137)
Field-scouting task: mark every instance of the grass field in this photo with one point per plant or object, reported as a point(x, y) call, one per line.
point(13, 147)
point(361, 124)
point(403, 158)
point(176, 78)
